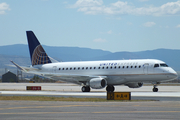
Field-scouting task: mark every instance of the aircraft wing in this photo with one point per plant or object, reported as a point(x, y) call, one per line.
point(72, 78)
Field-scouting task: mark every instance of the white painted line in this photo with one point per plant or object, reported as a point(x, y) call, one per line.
point(156, 94)
point(136, 94)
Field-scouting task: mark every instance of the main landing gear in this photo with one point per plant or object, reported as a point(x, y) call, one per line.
point(155, 89)
point(85, 89)
point(110, 88)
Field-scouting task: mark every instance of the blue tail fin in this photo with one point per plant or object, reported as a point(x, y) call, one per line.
point(37, 53)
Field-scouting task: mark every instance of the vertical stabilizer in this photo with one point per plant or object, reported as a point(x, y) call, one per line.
point(37, 53)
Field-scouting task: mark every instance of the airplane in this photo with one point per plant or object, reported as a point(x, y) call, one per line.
point(97, 74)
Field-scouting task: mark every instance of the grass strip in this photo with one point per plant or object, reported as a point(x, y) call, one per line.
point(45, 98)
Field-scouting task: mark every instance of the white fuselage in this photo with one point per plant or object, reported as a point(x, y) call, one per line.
point(116, 71)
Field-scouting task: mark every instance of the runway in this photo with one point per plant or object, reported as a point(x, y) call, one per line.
point(165, 93)
point(165, 104)
point(48, 110)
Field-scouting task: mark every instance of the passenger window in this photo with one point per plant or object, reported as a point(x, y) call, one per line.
point(127, 67)
point(115, 67)
point(139, 66)
point(70, 68)
point(86, 67)
point(102, 67)
point(135, 67)
point(131, 66)
point(82, 68)
point(66, 68)
point(111, 67)
point(59, 68)
point(78, 68)
point(123, 67)
point(74, 68)
point(119, 67)
point(90, 67)
point(63, 69)
point(94, 67)
point(99, 67)
point(106, 67)
point(156, 65)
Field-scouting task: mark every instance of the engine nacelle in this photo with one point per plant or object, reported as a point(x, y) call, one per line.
point(98, 83)
point(134, 85)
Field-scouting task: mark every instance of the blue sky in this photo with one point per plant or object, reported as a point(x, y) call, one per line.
point(112, 25)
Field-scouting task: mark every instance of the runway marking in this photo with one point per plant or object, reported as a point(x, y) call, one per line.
point(40, 113)
point(137, 112)
point(49, 106)
point(102, 112)
point(51, 93)
point(66, 106)
point(69, 106)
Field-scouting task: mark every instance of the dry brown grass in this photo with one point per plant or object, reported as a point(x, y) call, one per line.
point(72, 99)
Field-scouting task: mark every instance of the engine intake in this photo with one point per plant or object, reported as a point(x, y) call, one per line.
point(134, 85)
point(98, 83)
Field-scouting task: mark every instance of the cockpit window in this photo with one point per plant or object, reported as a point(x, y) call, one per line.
point(156, 65)
point(163, 65)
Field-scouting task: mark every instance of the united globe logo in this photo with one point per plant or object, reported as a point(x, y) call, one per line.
point(39, 56)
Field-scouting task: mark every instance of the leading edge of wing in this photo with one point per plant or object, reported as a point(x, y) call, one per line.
point(71, 75)
point(72, 78)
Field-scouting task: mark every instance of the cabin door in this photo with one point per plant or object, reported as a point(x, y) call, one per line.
point(145, 68)
point(54, 69)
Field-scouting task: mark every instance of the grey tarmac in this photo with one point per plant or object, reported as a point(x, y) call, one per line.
point(165, 104)
point(28, 110)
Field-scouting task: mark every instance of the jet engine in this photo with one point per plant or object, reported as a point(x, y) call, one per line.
point(134, 85)
point(98, 83)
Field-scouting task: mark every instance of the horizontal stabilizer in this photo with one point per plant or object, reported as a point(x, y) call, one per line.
point(25, 69)
point(19, 67)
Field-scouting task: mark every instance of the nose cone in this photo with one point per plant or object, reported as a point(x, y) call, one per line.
point(173, 74)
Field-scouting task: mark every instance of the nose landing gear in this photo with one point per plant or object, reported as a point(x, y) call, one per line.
point(155, 89)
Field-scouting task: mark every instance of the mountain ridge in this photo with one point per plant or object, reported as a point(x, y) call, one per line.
point(19, 53)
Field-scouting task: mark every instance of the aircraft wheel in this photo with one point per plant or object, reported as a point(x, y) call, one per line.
point(110, 88)
point(155, 89)
point(88, 89)
point(85, 89)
